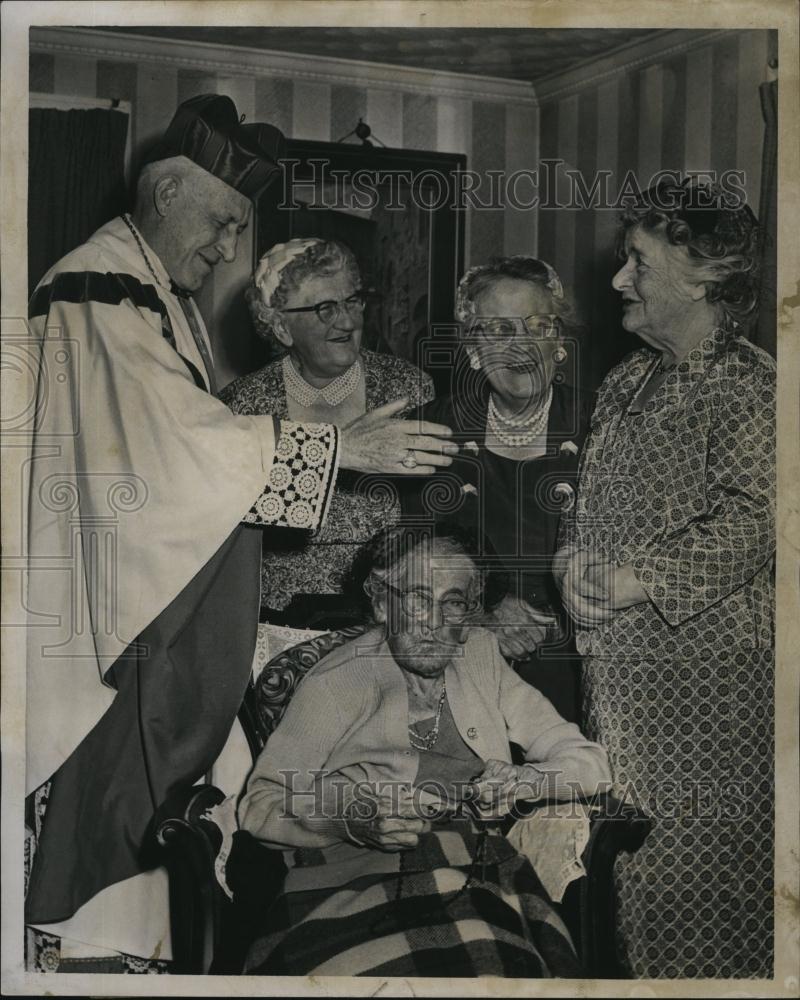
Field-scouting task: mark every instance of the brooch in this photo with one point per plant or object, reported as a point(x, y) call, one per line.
point(565, 494)
point(570, 447)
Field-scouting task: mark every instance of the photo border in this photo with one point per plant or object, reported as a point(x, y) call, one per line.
point(778, 14)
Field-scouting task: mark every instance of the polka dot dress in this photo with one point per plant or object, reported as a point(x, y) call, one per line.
point(680, 689)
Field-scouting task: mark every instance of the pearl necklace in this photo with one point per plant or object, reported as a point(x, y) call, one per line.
point(428, 741)
point(518, 433)
point(333, 393)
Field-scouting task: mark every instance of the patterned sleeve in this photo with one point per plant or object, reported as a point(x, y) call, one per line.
point(397, 377)
point(721, 550)
point(302, 477)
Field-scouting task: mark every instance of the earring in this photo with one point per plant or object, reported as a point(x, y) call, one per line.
point(560, 355)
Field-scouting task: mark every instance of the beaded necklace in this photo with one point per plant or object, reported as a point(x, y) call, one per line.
point(428, 741)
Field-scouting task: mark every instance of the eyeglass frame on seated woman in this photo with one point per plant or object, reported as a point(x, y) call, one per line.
point(471, 607)
point(554, 327)
point(356, 302)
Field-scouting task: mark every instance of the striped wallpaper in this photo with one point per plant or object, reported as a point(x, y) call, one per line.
point(309, 109)
point(697, 108)
point(694, 110)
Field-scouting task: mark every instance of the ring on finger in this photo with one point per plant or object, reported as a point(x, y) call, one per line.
point(409, 461)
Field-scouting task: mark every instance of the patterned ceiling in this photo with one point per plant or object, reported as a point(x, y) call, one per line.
point(514, 53)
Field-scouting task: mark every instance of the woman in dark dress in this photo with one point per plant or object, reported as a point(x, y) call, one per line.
point(520, 423)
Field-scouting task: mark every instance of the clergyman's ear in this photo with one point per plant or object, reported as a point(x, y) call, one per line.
point(165, 192)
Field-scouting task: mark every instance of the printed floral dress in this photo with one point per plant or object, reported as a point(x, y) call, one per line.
point(298, 567)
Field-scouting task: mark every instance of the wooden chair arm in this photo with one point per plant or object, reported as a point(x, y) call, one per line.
point(615, 827)
point(198, 906)
point(588, 907)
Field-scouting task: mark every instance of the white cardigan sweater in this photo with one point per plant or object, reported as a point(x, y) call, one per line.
point(348, 719)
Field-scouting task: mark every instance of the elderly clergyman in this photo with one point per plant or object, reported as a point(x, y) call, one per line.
point(146, 494)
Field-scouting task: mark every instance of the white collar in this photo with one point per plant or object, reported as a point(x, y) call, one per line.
point(334, 393)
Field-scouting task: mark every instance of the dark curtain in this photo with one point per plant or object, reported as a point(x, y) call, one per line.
point(765, 331)
point(76, 180)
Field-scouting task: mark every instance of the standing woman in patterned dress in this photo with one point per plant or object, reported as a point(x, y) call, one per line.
point(666, 568)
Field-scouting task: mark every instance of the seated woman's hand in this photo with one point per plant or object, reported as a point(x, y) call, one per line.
point(519, 627)
point(384, 823)
point(501, 785)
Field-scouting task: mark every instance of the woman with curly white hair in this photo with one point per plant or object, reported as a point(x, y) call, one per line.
point(307, 298)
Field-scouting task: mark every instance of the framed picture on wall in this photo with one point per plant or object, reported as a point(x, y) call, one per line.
point(398, 211)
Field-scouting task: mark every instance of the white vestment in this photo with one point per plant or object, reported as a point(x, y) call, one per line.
point(137, 478)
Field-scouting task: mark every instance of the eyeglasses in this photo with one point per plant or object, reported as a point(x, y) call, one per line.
point(417, 604)
point(330, 310)
point(541, 326)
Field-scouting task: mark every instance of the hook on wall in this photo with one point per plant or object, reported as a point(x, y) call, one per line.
point(363, 132)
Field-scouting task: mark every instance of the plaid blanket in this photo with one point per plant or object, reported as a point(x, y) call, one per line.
point(464, 903)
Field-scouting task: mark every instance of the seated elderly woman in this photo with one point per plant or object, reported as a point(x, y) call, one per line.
point(307, 297)
point(364, 782)
point(521, 420)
